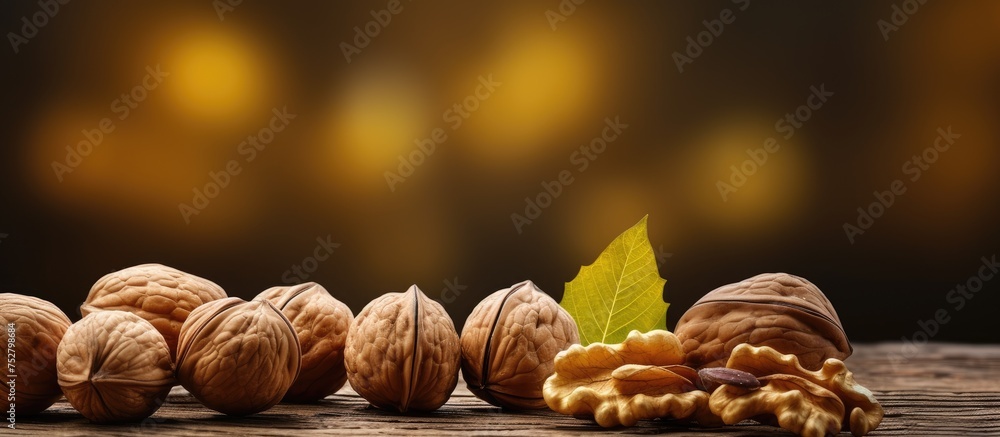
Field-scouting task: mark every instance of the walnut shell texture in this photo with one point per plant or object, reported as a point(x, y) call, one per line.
point(114, 366)
point(402, 352)
point(321, 323)
point(238, 357)
point(509, 344)
point(37, 326)
point(782, 311)
point(162, 295)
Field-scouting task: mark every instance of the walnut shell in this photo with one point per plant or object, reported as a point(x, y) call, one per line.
point(238, 357)
point(403, 352)
point(162, 295)
point(509, 343)
point(114, 366)
point(782, 311)
point(321, 323)
point(36, 326)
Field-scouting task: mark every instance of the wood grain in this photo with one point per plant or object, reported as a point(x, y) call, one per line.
point(938, 389)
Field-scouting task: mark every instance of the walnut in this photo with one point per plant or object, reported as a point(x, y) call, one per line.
point(33, 328)
point(800, 406)
point(641, 378)
point(237, 357)
point(403, 352)
point(321, 323)
point(782, 311)
point(114, 366)
point(162, 295)
point(509, 343)
point(806, 401)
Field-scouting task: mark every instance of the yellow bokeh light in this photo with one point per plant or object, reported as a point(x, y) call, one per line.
point(548, 86)
point(135, 176)
point(771, 192)
point(215, 75)
point(377, 117)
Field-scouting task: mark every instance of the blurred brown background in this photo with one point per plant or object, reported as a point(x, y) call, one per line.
point(323, 176)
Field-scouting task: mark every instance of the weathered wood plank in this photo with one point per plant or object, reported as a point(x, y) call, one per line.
point(941, 389)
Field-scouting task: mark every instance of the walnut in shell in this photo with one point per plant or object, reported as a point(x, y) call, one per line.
point(321, 323)
point(509, 343)
point(403, 352)
point(114, 366)
point(238, 357)
point(782, 311)
point(35, 326)
point(162, 295)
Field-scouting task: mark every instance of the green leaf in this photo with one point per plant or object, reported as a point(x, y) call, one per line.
point(621, 291)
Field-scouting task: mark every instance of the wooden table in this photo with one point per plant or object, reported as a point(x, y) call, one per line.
point(939, 389)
